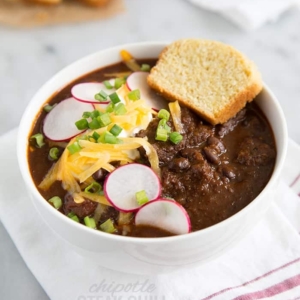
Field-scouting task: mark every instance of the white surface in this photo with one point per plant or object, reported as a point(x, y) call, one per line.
point(271, 249)
point(248, 14)
point(29, 57)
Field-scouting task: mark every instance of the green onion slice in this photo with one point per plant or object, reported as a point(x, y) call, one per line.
point(119, 82)
point(108, 138)
point(48, 107)
point(101, 96)
point(163, 114)
point(73, 148)
point(114, 98)
point(93, 188)
point(107, 85)
point(56, 202)
point(176, 137)
point(120, 109)
point(86, 114)
point(141, 197)
point(145, 68)
point(110, 107)
point(90, 222)
point(94, 124)
point(116, 130)
point(82, 124)
point(72, 216)
point(53, 153)
point(161, 134)
point(108, 226)
point(95, 113)
point(134, 95)
point(95, 135)
point(39, 139)
point(104, 119)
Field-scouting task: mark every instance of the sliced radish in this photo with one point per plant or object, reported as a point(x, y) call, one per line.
point(85, 92)
point(166, 214)
point(59, 124)
point(138, 80)
point(122, 184)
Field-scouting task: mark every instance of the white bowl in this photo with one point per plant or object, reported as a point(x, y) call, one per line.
point(143, 255)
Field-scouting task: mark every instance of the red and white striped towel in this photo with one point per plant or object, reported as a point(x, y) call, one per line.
point(265, 264)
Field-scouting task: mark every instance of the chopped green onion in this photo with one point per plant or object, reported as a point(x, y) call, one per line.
point(108, 226)
point(109, 138)
point(175, 137)
point(104, 120)
point(108, 85)
point(73, 148)
point(134, 95)
point(161, 134)
point(168, 128)
point(48, 107)
point(101, 96)
point(114, 98)
point(90, 222)
point(39, 139)
point(82, 124)
point(86, 114)
point(110, 107)
point(163, 114)
point(56, 202)
point(145, 68)
point(120, 109)
point(95, 113)
point(93, 188)
point(53, 153)
point(94, 124)
point(82, 137)
point(95, 135)
point(141, 197)
point(119, 82)
point(162, 123)
point(116, 130)
point(72, 216)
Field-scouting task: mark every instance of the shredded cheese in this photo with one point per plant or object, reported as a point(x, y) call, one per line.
point(95, 198)
point(176, 116)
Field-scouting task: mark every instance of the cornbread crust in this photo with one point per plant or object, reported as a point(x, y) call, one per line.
point(213, 79)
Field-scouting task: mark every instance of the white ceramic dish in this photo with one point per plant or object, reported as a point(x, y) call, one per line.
point(141, 255)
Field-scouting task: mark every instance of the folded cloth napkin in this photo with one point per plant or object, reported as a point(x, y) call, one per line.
point(248, 14)
point(265, 264)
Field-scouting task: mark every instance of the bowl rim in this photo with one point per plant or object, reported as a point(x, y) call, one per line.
point(24, 131)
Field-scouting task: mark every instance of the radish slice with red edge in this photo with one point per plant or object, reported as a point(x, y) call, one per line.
point(59, 124)
point(85, 92)
point(138, 81)
point(166, 214)
point(122, 184)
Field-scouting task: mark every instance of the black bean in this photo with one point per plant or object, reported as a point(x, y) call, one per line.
point(179, 164)
point(211, 155)
point(100, 175)
point(228, 172)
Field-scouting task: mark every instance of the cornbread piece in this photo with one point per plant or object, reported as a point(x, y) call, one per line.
point(213, 79)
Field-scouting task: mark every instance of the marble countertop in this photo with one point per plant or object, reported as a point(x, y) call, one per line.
point(29, 57)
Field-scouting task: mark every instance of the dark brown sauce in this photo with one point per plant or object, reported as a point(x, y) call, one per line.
point(208, 195)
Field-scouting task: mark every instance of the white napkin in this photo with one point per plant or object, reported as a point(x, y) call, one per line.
point(248, 14)
point(266, 263)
